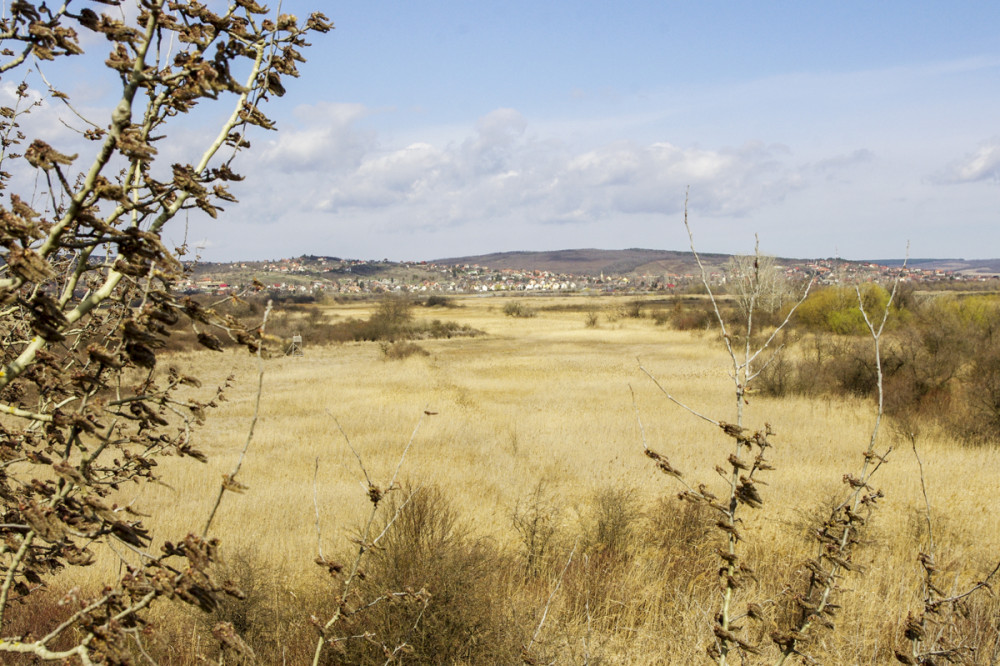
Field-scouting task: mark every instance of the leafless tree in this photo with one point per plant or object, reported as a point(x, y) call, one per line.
point(88, 295)
point(757, 282)
point(747, 462)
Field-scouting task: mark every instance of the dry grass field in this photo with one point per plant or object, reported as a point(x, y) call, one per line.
point(534, 426)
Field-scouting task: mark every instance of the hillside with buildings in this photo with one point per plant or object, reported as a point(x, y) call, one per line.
point(605, 271)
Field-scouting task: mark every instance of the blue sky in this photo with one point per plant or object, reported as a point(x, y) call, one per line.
point(422, 130)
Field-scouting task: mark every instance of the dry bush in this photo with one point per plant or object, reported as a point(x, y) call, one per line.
point(439, 301)
point(379, 329)
point(981, 423)
point(614, 516)
point(694, 318)
point(31, 621)
point(460, 618)
point(661, 316)
point(397, 351)
point(634, 308)
point(393, 310)
point(518, 309)
point(683, 535)
point(272, 617)
point(536, 519)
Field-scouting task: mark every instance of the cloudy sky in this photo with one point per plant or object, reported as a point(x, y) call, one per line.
point(427, 129)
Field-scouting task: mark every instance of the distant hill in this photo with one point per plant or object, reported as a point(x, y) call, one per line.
point(591, 261)
point(641, 261)
point(973, 266)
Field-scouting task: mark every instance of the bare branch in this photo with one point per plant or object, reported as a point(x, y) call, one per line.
point(230, 478)
point(676, 401)
point(552, 595)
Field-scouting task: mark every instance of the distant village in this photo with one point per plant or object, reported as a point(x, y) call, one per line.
point(314, 276)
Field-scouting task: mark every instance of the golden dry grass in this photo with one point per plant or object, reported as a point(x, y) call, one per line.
point(548, 400)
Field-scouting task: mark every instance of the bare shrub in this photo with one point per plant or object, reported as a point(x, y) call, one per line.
point(698, 318)
point(438, 301)
point(661, 316)
point(778, 378)
point(634, 308)
point(684, 536)
point(518, 309)
point(457, 619)
point(981, 421)
point(396, 351)
point(32, 621)
point(536, 521)
point(394, 310)
point(379, 329)
point(266, 617)
point(614, 516)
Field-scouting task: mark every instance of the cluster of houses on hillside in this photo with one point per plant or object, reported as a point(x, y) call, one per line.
point(831, 271)
point(316, 275)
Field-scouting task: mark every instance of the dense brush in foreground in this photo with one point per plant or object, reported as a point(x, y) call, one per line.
point(638, 590)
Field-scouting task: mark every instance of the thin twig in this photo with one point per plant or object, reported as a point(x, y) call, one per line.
point(406, 449)
point(638, 418)
point(395, 516)
point(978, 586)
point(708, 288)
point(675, 400)
point(552, 596)
point(347, 439)
point(253, 423)
point(364, 543)
point(319, 533)
point(923, 489)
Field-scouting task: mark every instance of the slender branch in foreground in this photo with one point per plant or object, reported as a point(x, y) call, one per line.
point(229, 480)
point(741, 471)
point(548, 603)
point(675, 400)
point(366, 542)
point(937, 609)
point(923, 491)
point(708, 288)
point(839, 533)
point(350, 445)
point(319, 532)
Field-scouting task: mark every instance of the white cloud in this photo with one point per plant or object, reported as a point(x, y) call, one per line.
point(983, 164)
point(839, 163)
point(500, 171)
point(327, 139)
point(401, 176)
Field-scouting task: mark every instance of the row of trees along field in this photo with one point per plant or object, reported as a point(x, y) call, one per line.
point(940, 354)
